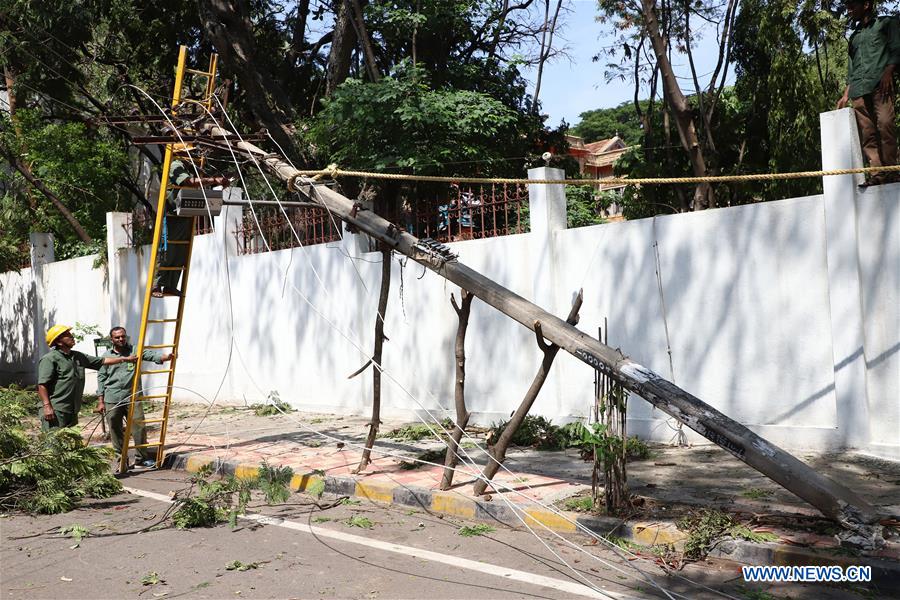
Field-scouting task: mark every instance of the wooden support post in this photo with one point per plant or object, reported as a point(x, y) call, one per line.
point(462, 415)
point(376, 358)
point(498, 452)
point(830, 497)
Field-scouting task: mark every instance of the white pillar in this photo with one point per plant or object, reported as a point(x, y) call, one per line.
point(41, 252)
point(230, 220)
point(547, 212)
point(117, 237)
point(841, 150)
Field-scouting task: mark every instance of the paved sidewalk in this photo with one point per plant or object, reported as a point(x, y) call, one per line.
point(673, 482)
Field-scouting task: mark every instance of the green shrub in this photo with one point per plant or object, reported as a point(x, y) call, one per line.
point(413, 433)
point(475, 530)
point(704, 530)
point(708, 526)
point(358, 521)
point(275, 483)
point(194, 512)
point(535, 431)
point(47, 472)
point(273, 406)
point(226, 499)
point(580, 504)
point(637, 449)
point(216, 501)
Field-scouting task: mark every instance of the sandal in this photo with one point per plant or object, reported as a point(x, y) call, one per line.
point(160, 291)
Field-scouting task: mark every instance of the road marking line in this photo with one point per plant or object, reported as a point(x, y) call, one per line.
point(570, 587)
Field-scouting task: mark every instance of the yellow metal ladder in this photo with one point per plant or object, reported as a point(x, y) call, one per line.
point(165, 187)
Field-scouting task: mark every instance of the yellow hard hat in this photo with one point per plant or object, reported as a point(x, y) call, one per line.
point(56, 331)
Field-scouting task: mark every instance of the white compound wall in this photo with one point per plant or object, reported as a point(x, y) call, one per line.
point(778, 314)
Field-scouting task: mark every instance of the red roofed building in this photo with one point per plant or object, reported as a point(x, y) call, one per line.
point(596, 159)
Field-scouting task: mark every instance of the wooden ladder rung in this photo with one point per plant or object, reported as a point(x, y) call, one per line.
point(177, 242)
point(149, 445)
point(170, 268)
point(142, 398)
point(161, 346)
point(155, 371)
point(203, 73)
point(162, 320)
point(148, 421)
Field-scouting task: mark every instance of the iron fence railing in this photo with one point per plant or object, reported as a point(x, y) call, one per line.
point(281, 230)
point(471, 212)
point(456, 213)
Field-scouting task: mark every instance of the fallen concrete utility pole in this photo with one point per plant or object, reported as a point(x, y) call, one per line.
point(831, 498)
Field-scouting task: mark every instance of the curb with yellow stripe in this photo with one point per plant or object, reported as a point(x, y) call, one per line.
point(653, 533)
point(451, 503)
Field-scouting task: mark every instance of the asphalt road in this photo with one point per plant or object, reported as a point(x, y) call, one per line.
point(299, 550)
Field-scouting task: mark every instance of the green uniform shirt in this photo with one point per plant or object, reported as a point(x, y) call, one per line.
point(872, 47)
point(178, 174)
point(63, 375)
point(114, 381)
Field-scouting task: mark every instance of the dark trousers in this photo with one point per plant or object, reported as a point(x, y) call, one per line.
point(175, 255)
point(115, 418)
point(875, 119)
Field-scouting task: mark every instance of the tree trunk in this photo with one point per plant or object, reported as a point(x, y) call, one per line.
point(546, 47)
point(227, 25)
point(298, 35)
point(53, 198)
point(376, 357)
point(365, 41)
point(495, 40)
point(9, 75)
point(462, 415)
point(684, 120)
point(342, 43)
point(498, 452)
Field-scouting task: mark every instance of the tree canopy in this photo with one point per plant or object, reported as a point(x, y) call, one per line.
point(413, 86)
point(788, 59)
point(410, 86)
point(604, 123)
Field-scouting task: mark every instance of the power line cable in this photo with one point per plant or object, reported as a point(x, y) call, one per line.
point(337, 329)
point(378, 365)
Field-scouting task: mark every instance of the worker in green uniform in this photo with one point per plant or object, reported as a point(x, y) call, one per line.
point(177, 229)
point(61, 378)
point(114, 388)
point(874, 48)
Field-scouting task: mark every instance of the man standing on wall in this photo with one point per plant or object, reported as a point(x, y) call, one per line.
point(60, 384)
point(177, 230)
point(114, 388)
point(874, 49)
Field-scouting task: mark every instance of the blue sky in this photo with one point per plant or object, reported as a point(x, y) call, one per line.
point(570, 87)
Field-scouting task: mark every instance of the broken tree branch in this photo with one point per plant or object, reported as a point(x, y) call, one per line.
point(359, 370)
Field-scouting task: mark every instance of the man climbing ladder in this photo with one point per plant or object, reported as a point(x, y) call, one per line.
point(172, 256)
